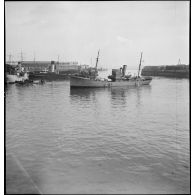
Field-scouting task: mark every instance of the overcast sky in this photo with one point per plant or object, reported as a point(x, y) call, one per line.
point(121, 30)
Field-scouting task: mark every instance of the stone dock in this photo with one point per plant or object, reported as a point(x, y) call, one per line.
point(18, 181)
point(177, 71)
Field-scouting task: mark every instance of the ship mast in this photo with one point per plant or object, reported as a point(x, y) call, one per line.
point(21, 56)
point(179, 62)
point(10, 58)
point(34, 57)
point(140, 64)
point(97, 60)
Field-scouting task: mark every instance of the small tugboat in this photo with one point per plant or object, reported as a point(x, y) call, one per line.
point(117, 79)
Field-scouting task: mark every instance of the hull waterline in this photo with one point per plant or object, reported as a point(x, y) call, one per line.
point(79, 82)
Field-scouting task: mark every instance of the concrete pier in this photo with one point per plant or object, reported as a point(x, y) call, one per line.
point(18, 181)
point(177, 71)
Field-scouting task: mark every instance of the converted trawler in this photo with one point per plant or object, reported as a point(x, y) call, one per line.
point(89, 78)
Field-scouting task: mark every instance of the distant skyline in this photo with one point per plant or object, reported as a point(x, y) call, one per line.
point(75, 31)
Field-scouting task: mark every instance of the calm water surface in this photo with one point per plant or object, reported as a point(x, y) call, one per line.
point(132, 140)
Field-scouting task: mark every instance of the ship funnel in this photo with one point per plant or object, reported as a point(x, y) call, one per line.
point(52, 66)
point(124, 70)
point(19, 66)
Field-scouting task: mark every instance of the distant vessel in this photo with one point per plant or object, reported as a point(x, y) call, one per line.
point(118, 78)
point(52, 73)
point(50, 76)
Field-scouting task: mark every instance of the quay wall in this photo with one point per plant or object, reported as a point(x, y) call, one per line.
point(179, 71)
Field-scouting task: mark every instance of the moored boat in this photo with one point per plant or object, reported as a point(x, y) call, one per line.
point(15, 74)
point(12, 78)
point(76, 81)
point(117, 79)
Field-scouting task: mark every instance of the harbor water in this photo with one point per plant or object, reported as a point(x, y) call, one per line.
point(133, 140)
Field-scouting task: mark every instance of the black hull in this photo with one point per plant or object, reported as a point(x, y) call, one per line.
point(48, 76)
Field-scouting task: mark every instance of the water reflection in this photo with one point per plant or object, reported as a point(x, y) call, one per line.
point(119, 96)
point(146, 89)
point(81, 93)
point(84, 94)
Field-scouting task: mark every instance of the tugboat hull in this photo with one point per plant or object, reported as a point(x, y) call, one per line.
point(86, 82)
point(78, 82)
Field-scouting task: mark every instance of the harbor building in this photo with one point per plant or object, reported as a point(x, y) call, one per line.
point(51, 66)
point(66, 66)
point(181, 71)
point(36, 66)
point(84, 66)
